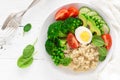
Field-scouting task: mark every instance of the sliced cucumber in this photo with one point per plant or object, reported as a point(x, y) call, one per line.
point(92, 13)
point(84, 10)
point(86, 14)
point(97, 17)
point(105, 29)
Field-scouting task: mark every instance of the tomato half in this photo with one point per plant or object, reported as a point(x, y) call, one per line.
point(108, 40)
point(72, 41)
point(62, 14)
point(73, 12)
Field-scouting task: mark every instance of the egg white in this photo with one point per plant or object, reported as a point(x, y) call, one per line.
point(79, 30)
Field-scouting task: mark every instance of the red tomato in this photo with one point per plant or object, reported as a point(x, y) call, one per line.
point(72, 42)
point(73, 12)
point(108, 40)
point(62, 14)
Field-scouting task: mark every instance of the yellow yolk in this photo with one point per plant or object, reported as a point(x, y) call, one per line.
point(85, 36)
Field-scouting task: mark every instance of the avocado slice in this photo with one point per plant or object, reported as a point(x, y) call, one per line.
point(84, 20)
point(93, 28)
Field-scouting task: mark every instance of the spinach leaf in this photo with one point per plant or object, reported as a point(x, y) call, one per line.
point(102, 58)
point(24, 62)
point(27, 27)
point(27, 58)
point(98, 41)
point(102, 51)
point(28, 51)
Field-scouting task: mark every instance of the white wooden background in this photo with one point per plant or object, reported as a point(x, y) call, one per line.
point(40, 69)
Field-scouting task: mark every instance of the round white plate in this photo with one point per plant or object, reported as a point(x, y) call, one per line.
point(57, 73)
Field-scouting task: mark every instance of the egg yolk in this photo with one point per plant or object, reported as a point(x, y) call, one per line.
point(85, 36)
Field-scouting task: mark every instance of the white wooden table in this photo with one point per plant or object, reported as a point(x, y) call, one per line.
point(13, 50)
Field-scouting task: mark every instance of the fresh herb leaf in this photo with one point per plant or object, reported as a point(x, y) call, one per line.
point(27, 27)
point(102, 58)
point(102, 51)
point(98, 41)
point(24, 62)
point(27, 58)
point(28, 51)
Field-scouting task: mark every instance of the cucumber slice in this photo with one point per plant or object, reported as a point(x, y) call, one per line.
point(84, 10)
point(105, 29)
point(97, 17)
point(92, 13)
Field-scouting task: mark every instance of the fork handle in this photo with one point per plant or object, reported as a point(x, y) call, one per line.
point(30, 6)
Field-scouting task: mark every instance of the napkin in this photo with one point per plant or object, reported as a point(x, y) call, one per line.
point(112, 9)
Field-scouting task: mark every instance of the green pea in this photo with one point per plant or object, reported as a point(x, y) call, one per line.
point(101, 25)
point(98, 20)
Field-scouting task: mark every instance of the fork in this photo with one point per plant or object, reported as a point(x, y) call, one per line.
point(18, 15)
point(12, 23)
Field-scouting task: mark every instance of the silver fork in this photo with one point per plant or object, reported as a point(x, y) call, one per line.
point(18, 15)
point(13, 22)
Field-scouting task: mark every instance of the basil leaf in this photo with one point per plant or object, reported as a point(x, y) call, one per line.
point(98, 41)
point(24, 62)
point(102, 51)
point(28, 51)
point(27, 27)
point(102, 58)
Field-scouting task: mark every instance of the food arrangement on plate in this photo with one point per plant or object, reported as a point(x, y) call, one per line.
point(78, 39)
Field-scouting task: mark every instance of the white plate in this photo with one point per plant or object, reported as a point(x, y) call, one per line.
point(59, 73)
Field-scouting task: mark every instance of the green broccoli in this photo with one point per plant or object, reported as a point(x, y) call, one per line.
point(56, 43)
point(62, 42)
point(61, 59)
point(55, 47)
point(70, 24)
point(54, 30)
point(65, 61)
point(50, 47)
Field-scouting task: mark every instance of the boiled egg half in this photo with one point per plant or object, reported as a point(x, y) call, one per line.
point(83, 35)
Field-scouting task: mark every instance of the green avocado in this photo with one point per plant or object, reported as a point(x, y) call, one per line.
point(84, 20)
point(93, 28)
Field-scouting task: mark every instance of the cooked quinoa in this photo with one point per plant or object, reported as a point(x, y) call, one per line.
point(84, 58)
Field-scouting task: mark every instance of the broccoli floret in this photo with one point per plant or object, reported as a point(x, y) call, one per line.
point(54, 30)
point(56, 46)
point(61, 59)
point(50, 47)
point(62, 42)
point(56, 51)
point(70, 24)
point(65, 61)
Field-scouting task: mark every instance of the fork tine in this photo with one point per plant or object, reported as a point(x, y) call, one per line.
point(7, 20)
point(9, 31)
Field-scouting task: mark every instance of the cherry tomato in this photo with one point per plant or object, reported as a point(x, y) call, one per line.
point(108, 40)
point(73, 12)
point(62, 14)
point(72, 42)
